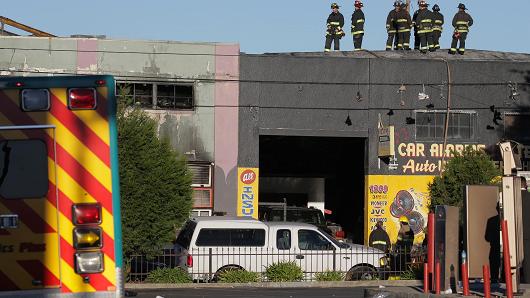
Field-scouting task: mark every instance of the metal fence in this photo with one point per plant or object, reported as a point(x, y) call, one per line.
point(354, 264)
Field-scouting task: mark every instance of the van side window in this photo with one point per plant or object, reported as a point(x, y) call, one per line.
point(231, 237)
point(311, 240)
point(184, 237)
point(283, 239)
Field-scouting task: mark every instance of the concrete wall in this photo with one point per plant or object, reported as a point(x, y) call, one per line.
point(207, 133)
point(311, 94)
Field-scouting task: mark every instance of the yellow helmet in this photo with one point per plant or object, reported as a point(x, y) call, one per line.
point(404, 219)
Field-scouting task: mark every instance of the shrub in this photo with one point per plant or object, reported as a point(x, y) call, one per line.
point(155, 184)
point(168, 276)
point(238, 276)
point(284, 271)
point(329, 276)
point(412, 273)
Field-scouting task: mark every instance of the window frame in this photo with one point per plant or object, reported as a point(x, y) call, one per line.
point(154, 93)
point(473, 119)
point(290, 239)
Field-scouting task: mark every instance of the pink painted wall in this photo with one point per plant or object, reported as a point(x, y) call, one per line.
point(87, 56)
point(226, 127)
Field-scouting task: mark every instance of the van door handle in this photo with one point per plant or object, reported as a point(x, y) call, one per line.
point(346, 258)
point(299, 257)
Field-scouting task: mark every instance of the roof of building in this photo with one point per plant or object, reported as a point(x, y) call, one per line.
point(479, 55)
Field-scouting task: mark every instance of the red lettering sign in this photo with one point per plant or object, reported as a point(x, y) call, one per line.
point(248, 177)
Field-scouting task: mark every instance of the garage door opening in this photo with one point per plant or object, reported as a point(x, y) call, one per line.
point(323, 172)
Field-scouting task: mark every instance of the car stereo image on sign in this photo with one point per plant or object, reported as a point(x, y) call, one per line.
point(247, 192)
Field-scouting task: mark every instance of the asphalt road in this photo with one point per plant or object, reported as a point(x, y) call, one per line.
point(253, 292)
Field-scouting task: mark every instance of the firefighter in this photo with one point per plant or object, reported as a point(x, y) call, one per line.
point(334, 28)
point(404, 23)
point(424, 24)
point(404, 243)
point(357, 26)
point(379, 238)
point(437, 28)
point(462, 21)
point(391, 28)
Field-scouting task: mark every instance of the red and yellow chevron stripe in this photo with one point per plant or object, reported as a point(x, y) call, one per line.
point(40, 253)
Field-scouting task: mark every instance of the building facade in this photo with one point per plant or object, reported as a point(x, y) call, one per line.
point(358, 135)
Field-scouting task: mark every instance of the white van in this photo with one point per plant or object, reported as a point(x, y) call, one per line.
point(207, 246)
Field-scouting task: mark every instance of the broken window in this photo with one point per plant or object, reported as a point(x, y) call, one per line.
point(154, 95)
point(430, 125)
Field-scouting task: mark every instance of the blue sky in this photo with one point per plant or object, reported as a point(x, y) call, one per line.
point(260, 26)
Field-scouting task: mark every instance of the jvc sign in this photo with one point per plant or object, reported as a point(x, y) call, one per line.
point(247, 192)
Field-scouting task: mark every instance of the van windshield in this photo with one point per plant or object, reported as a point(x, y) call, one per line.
point(184, 237)
point(341, 245)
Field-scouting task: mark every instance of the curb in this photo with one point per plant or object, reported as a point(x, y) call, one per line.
point(395, 293)
point(313, 284)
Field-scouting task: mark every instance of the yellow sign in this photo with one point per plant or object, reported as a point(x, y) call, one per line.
point(391, 196)
point(247, 192)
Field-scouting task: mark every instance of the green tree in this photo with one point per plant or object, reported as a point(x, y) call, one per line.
point(155, 183)
point(471, 167)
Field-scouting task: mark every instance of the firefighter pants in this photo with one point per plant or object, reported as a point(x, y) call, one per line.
point(426, 41)
point(390, 40)
point(336, 42)
point(436, 34)
point(404, 40)
point(462, 47)
point(357, 42)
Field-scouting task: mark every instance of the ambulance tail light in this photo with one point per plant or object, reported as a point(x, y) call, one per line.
point(88, 262)
point(88, 238)
point(82, 99)
point(189, 261)
point(83, 214)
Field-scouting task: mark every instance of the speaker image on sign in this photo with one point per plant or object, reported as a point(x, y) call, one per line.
point(446, 245)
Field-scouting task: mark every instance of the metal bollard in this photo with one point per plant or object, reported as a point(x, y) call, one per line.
point(487, 283)
point(465, 279)
point(437, 278)
point(506, 257)
point(426, 278)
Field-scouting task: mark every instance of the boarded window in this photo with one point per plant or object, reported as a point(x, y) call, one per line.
point(23, 169)
point(516, 127)
point(430, 125)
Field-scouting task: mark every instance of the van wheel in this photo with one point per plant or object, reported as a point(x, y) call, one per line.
point(361, 273)
point(225, 269)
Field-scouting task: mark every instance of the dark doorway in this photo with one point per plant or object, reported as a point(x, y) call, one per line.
point(338, 162)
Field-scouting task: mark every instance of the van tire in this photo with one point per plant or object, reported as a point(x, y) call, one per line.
point(361, 272)
point(225, 269)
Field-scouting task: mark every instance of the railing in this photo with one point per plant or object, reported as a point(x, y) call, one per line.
point(360, 263)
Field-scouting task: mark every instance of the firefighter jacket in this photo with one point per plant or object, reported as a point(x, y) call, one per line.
point(391, 21)
point(405, 239)
point(403, 22)
point(424, 21)
point(335, 23)
point(462, 21)
point(437, 21)
point(379, 239)
point(357, 22)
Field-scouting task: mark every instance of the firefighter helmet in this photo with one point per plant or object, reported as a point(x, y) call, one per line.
point(358, 4)
point(462, 6)
point(423, 3)
point(436, 7)
point(403, 219)
point(397, 4)
point(334, 5)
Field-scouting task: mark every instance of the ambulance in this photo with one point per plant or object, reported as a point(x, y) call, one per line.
point(60, 230)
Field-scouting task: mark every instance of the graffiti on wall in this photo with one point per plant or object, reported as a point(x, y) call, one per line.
point(391, 196)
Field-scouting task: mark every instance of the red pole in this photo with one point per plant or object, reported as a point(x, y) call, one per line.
point(506, 257)
point(425, 278)
point(430, 246)
point(437, 278)
point(487, 284)
point(465, 279)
